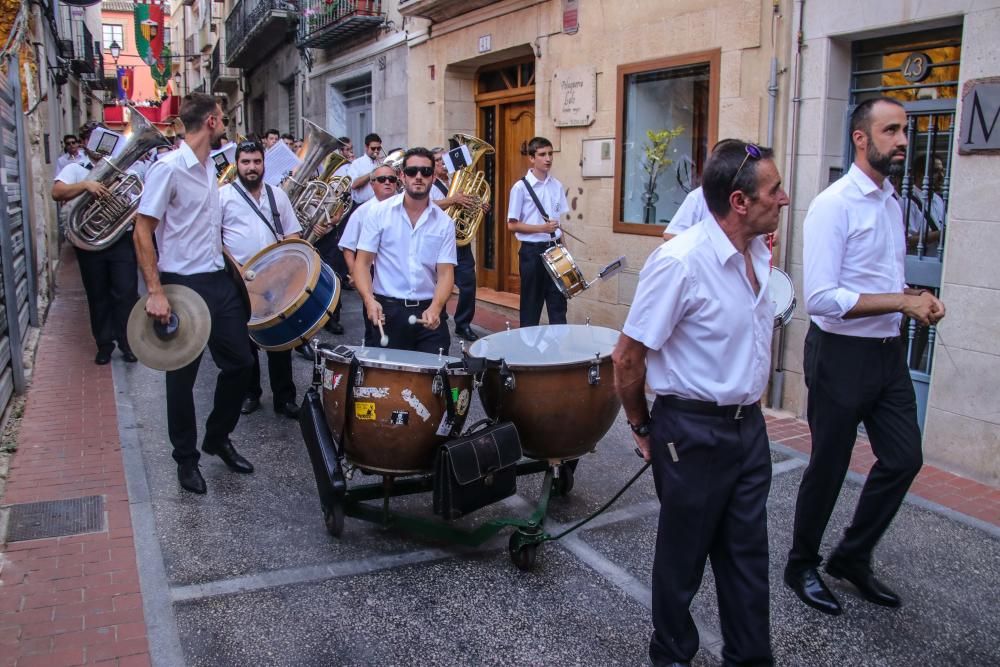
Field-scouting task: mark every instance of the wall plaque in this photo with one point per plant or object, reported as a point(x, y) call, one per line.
point(573, 96)
point(979, 128)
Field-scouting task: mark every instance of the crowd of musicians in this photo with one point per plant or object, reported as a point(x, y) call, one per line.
point(698, 335)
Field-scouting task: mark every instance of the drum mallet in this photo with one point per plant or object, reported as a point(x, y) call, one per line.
point(414, 320)
point(384, 340)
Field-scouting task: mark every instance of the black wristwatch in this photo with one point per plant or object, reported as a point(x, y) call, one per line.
point(641, 430)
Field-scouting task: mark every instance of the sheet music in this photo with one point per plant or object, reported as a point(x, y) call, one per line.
point(278, 161)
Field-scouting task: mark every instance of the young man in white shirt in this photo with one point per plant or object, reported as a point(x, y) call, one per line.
point(699, 333)
point(271, 137)
point(73, 153)
point(180, 204)
point(414, 274)
point(854, 247)
point(362, 168)
point(538, 230)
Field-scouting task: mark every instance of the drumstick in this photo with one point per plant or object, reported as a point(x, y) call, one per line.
point(384, 340)
point(414, 320)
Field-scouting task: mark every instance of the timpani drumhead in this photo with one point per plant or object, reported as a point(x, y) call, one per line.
point(403, 360)
point(547, 345)
point(277, 278)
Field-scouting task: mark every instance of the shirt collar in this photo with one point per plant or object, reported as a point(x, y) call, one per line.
point(533, 180)
point(395, 202)
point(867, 186)
point(724, 248)
point(190, 159)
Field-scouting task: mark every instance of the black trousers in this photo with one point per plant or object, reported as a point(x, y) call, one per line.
point(712, 504)
point(279, 374)
point(333, 256)
point(853, 380)
point(465, 280)
point(538, 288)
point(111, 281)
point(231, 353)
point(405, 336)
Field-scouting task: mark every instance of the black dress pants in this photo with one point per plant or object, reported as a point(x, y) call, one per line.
point(853, 380)
point(231, 353)
point(405, 336)
point(465, 280)
point(111, 281)
point(712, 504)
point(333, 256)
point(538, 288)
point(279, 374)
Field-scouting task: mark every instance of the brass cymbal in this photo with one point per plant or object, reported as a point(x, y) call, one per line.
point(177, 344)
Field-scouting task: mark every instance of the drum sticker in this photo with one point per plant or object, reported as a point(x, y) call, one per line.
point(444, 428)
point(462, 402)
point(364, 411)
point(329, 378)
point(399, 418)
point(371, 392)
point(415, 403)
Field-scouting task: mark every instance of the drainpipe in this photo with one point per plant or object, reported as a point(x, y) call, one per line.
point(778, 374)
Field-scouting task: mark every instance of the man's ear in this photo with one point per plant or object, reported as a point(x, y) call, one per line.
point(738, 201)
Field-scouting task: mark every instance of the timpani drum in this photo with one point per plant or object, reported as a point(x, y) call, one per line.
point(782, 294)
point(561, 391)
point(292, 294)
point(563, 270)
point(396, 416)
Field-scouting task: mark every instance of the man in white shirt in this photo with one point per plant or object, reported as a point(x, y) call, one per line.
point(854, 244)
point(180, 204)
point(699, 333)
point(691, 211)
point(415, 244)
point(537, 230)
point(934, 220)
point(254, 216)
point(73, 153)
point(362, 168)
point(271, 137)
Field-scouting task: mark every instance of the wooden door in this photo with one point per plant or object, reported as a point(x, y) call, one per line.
point(516, 129)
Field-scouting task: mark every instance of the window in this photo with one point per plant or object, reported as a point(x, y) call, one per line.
point(674, 94)
point(113, 33)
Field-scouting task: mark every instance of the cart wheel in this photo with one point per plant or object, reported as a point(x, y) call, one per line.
point(564, 482)
point(522, 555)
point(333, 517)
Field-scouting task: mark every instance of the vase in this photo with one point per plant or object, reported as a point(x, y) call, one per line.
point(649, 200)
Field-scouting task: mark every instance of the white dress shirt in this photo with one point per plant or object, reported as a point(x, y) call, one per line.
point(352, 231)
point(183, 195)
point(854, 243)
point(407, 255)
point(692, 210)
point(343, 170)
point(915, 216)
point(436, 193)
point(521, 207)
point(363, 166)
point(73, 173)
point(66, 158)
point(243, 232)
point(708, 334)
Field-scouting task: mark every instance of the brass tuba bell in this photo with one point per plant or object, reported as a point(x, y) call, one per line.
point(315, 200)
point(470, 182)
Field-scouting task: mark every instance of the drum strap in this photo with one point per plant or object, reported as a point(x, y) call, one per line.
point(270, 201)
point(538, 203)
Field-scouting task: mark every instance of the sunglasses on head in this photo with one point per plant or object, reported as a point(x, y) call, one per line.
point(426, 172)
point(249, 146)
point(386, 179)
point(752, 152)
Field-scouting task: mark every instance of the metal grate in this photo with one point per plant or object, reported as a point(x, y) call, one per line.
point(55, 518)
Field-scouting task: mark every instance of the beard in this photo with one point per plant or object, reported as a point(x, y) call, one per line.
point(251, 182)
point(415, 194)
point(884, 163)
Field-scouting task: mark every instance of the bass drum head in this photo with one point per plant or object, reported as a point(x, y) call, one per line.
point(782, 295)
point(548, 345)
point(277, 278)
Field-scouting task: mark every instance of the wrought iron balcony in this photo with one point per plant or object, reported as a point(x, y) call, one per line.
point(255, 28)
point(325, 24)
point(224, 79)
point(440, 10)
point(82, 61)
point(99, 79)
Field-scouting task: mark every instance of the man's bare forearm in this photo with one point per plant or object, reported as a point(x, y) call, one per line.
point(145, 252)
point(445, 283)
point(629, 358)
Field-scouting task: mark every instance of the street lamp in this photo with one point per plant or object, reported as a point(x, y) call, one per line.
point(116, 51)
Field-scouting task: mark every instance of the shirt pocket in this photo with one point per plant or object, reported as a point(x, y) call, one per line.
point(430, 248)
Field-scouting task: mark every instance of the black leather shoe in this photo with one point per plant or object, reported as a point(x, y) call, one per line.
point(864, 580)
point(306, 352)
point(225, 451)
point(336, 328)
point(467, 333)
point(129, 357)
point(103, 357)
point(811, 589)
point(190, 478)
point(288, 409)
point(250, 404)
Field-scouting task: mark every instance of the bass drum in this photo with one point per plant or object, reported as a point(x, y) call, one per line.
point(397, 410)
point(560, 392)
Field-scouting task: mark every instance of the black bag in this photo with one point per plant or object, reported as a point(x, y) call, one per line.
point(477, 469)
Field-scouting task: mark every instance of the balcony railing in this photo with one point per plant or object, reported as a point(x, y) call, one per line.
point(83, 49)
point(98, 80)
point(254, 28)
point(440, 10)
point(325, 24)
point(189, 46)
point(223, 78)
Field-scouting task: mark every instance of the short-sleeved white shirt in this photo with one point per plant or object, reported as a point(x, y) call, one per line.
point(183, 195)
point(407, 255)
point(66, 158)
point(243, 232)
point(362, 166)
point(352, 231)
point(708, 334)
point(522, 208)
point(73, 173)
point(692, 210)
point(437, 194)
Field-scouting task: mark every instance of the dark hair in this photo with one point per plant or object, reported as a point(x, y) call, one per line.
point(86, 129)
point(723, 174)
point(536, 143)
point(270, 132)
point(418, 151)
point(344, 141)
point(372, 137)
point(289, 136)
point(68, 136)
point(250, 146)
point(195, 109)
point(861, 117)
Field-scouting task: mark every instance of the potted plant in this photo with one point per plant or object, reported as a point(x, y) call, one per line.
point(654, 163)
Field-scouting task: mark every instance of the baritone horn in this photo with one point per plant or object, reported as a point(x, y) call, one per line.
point(314, 200)
point(468, 181)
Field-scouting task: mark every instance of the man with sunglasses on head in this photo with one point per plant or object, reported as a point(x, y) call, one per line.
point(362, 168)
point(73, 153)
point(414, 242)
point(699, 333)
point(854, 250)
point(180, 204)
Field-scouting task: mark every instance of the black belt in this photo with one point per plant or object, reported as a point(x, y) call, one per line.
point(707, 407)
point(406, 303)
point(538, 244)
point(856, 340)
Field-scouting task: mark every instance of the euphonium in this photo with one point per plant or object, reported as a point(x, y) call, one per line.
point(467, 181)
point(228, 173)
point(95, 224)
point(394, 159)
point(313, 199)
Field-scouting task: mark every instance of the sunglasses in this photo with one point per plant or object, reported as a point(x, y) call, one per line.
point(224, 120)
point(752, 152)
point(72, 142)
point(249, 146)
point(426, 172)
point(386, 179)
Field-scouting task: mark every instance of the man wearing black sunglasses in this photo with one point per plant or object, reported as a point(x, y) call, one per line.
point(699, 333)
point(415, 272)
point(72, 153)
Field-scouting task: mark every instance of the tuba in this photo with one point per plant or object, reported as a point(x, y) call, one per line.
point(95, 224)
point(467, 181)
point(315, 201)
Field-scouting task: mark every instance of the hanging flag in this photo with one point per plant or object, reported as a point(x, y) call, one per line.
point(149, 32)
point(126, 80)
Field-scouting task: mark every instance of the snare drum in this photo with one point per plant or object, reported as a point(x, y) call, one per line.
point(397, 414)
point(561, 392)
point(782, 293)
point(564, 271)
point(292, 294)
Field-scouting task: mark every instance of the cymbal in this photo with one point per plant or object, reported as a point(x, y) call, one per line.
point(180, 342)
